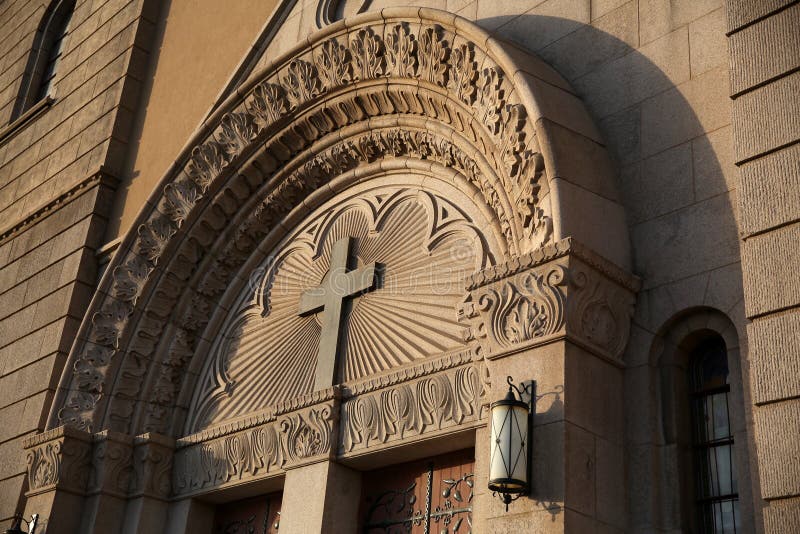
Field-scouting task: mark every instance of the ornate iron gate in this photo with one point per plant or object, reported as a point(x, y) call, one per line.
point(433, 495)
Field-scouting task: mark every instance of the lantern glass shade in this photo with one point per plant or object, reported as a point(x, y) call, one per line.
point(508, 472)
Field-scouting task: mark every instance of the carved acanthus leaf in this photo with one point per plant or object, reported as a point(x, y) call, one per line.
point(402, 51)
point(463, 73)
point(334, 62)
point(129, 279)
point(235, 132)
point(490, 98)
point(206, 162)
point(153, 237)
point(432, 55)
point(302, 82)
point(368, 54)
point(268, 104)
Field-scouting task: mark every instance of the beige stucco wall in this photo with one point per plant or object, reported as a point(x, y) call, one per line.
point(199, 44)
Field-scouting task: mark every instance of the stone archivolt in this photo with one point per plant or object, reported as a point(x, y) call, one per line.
point(258, 160)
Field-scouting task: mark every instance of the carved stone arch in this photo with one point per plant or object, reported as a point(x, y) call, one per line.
point(384, 90)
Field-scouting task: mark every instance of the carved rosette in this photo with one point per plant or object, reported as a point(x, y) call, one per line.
point(561, 290)
point(437, 76)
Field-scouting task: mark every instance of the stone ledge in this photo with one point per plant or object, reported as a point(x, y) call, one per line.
point(549, 252)
point(101, 177)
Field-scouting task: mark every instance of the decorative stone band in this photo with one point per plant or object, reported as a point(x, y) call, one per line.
point(107, 463)
point(291, 440)
point(561, 290)
point(435, 398)
point(425, 407)
point(438, 397)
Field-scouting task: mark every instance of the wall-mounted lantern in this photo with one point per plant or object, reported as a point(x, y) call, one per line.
point(509, 470)
point(16, 525)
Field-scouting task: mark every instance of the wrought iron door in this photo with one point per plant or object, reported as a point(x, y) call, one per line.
point(259, 515)
point(422, 497)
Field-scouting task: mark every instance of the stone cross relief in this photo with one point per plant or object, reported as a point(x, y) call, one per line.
point(329, 298)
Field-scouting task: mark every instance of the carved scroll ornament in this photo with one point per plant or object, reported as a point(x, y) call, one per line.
point(560, 290)
point(292, 439)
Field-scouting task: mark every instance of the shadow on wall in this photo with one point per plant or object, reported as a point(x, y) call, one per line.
point(666, 124)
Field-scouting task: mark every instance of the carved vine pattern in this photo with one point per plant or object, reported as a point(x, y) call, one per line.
point(427, 55)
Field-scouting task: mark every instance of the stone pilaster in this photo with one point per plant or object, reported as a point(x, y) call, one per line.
point(59, 467)
point(112, 466)
point(150, 486)
point(559, 316)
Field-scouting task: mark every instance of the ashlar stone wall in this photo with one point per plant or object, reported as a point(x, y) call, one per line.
point(57, 174)
point(764, 40)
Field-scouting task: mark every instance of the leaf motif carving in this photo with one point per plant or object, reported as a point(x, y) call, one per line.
point(268, 104)
point(180, 198)
point(463, 73)
point(432, 55)
point(205, 164)
point(129, 279)
point(512, 143)
point(402, 52)
point(302, 82)
point(367, 51)
point(335, 65)
point(109, 323)
point(153, 237)
point(235, 133)
point(490, 98)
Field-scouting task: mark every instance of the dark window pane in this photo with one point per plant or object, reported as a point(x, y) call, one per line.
point(715, 482)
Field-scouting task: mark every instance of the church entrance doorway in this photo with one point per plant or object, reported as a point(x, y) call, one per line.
point(429, 495)
point(255, 515)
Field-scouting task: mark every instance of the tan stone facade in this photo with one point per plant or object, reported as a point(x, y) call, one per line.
point(573, 192)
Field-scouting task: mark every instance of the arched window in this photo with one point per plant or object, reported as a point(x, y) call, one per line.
point(716, 486)
point(699, 479)
point(45, 55)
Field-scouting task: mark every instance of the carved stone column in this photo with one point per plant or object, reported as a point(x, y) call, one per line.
point(59, 465)
point(149, 491)
point(112, 465)
point(319, 495)
point(559, 316)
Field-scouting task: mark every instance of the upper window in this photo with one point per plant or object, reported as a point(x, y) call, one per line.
point(716, 492)
point(45, 56)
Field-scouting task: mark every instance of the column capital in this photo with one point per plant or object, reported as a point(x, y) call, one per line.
point(59, 459)
point(563, 290)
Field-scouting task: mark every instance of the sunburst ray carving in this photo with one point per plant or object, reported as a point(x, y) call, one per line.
point(267, 353)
